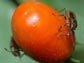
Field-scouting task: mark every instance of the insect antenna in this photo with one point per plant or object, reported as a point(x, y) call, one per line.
point(7, 50)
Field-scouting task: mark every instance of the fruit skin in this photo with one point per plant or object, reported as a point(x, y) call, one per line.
point(35, 28)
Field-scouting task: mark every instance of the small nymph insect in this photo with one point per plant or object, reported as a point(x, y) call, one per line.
point(15, 49)
point(71, 21)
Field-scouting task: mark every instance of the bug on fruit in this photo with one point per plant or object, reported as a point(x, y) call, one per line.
point(14, 49)
point(71, 21)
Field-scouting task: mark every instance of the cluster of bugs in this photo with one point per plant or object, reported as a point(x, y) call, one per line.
point(71, 22)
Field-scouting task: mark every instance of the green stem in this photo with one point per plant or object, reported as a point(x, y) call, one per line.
point(73, 60)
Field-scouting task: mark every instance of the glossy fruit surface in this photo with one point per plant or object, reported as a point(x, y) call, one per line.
point(35, 28)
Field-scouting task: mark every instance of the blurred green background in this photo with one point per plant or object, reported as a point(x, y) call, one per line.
point(7, 8)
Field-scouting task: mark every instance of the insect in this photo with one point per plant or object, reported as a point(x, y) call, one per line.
point(14, 49)
point(71, 21)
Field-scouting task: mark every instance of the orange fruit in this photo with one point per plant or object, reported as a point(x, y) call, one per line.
point(35, 28)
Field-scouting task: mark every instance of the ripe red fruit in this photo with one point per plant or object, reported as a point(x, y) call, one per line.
point(35, 28)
